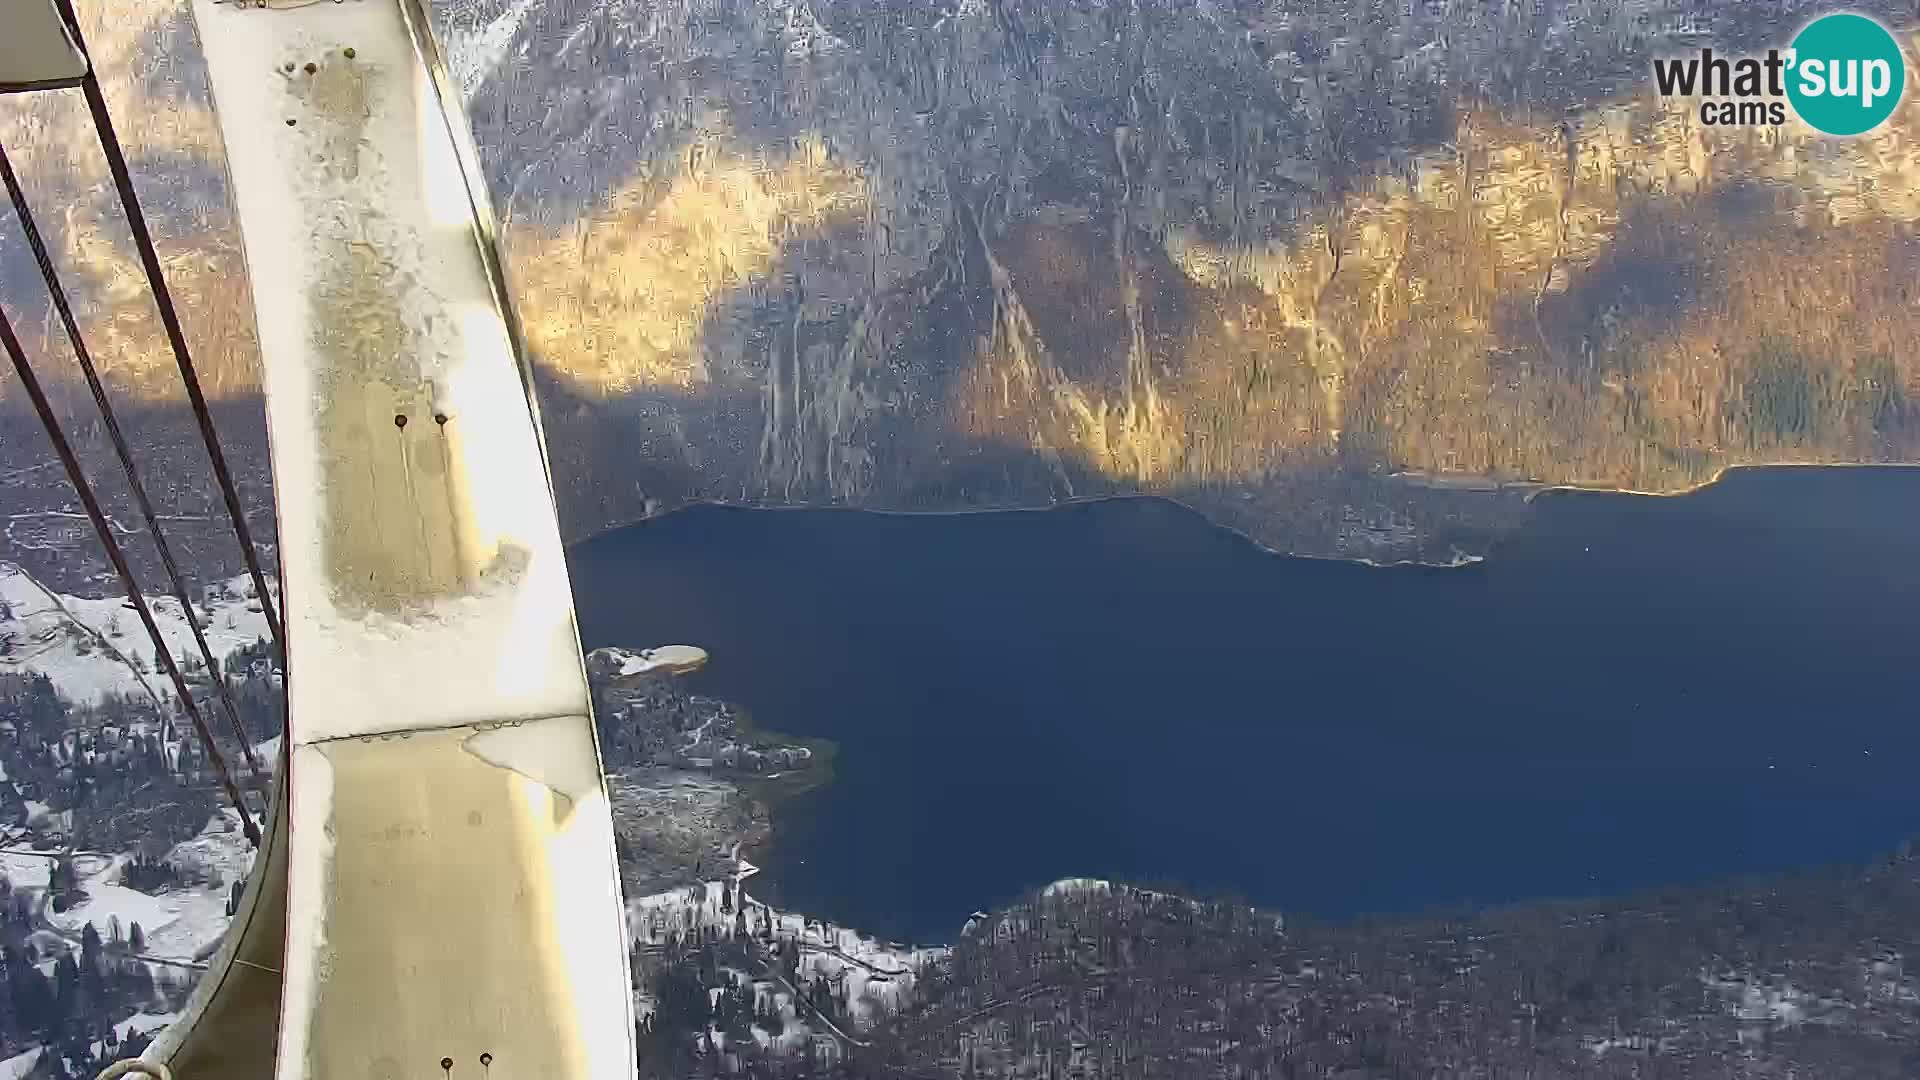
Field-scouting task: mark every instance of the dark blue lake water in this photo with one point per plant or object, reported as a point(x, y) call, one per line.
point(1631, 691)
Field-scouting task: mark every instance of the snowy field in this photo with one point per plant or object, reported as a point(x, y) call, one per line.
point(182, 924)
point(18, 1066)
point(90, 648)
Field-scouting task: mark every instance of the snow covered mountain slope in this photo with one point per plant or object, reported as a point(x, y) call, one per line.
point(92, 648)
point(869, 978)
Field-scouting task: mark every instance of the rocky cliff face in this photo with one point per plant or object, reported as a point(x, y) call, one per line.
point(1254, 255)
point(1261, 256)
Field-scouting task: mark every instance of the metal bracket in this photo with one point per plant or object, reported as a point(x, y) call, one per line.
point(276, 5)
point(38, 50)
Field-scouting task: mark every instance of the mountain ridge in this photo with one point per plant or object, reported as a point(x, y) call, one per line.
point(1257, 257)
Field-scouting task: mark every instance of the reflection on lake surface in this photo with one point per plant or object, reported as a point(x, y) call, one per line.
point(1630, 691)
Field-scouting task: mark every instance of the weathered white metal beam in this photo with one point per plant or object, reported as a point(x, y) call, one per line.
point(451, 891)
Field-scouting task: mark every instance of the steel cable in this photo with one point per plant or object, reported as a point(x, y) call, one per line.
point(170, 321)
point(31, 383)
point(65, 310)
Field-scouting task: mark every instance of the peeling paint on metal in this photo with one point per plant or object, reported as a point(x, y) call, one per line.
point(416, 513)
point(394, 538)
point(480, 913)
point(451, 881)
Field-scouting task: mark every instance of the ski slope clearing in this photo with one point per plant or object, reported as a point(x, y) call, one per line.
point(93, 648)
point(182, 924)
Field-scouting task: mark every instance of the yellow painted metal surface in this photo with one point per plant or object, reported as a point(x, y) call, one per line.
point(425, 577)
point(452, 922)
point(452, 903)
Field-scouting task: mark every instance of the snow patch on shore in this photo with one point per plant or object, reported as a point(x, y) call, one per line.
point(661, 660)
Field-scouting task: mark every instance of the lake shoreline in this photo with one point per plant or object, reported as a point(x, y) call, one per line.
point(769, 794)
point(1126, 693)
point(1529, 490)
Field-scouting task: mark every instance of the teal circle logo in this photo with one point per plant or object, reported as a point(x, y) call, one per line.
point(1845, 74)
